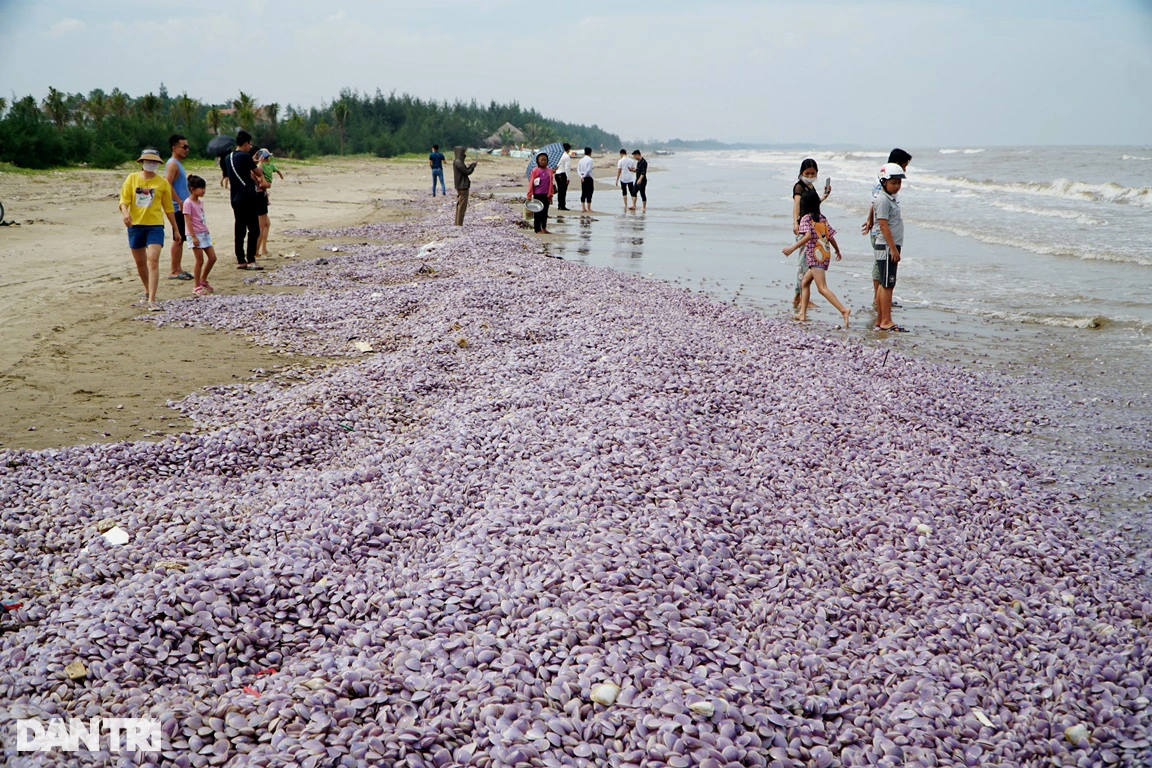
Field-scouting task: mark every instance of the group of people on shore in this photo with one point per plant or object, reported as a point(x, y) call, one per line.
point(816, 239)
point(148, 198)
point(546, 183)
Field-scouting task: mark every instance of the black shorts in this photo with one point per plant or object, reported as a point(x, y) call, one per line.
point(587, 187)
point(180, 225)
point(628, 187)
point(261, 204)
point(887, 269)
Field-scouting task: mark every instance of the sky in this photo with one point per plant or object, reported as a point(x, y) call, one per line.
point(955, 73)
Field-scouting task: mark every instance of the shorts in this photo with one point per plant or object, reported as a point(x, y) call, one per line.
point(261, 204)
point(201, 240)
point(144, 235)
point(885, 270)
point(628, 186)
point(180, 225)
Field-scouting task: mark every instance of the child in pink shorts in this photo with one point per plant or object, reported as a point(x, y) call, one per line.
point(199, 236)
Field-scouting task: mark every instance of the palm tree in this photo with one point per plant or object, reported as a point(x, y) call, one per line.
point(97, 106)
point(149, 105)
point(272, 112)
point(185, 109)
point(538, 134)
point(56, 107)
point(215, 118)
point(118, 103)
point(340, 113)
point(245, 107)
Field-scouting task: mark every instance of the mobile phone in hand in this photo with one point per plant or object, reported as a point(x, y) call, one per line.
point(827, 185)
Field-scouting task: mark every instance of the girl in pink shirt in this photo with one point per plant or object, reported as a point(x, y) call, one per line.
point(541, 185)
point(198, 233)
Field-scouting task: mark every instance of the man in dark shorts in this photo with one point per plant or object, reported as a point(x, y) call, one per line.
point(626, 178)
point(178, 180)
point(587, 184)
point(246, 185)
point(889, 229)
point(641, 178)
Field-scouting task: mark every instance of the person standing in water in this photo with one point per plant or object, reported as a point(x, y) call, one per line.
point(541, 186)
point(626, 178)
point(889, 232)
point(641, 178)
point(805, 200)
point(587, 183)
point(902, 159)
point(563, 168)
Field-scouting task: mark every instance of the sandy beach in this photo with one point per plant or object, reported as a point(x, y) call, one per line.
point(76, 364)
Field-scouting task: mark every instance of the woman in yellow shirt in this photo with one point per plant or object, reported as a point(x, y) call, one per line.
point(145, 199)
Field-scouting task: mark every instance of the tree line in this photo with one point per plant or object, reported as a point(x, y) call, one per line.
point(105, 129)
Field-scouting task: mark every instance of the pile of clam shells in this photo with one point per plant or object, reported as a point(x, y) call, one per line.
point(542, 514)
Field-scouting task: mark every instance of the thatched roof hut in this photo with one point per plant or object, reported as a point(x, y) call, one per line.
point(505, 134)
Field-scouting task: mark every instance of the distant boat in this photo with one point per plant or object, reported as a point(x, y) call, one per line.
point(663, 152)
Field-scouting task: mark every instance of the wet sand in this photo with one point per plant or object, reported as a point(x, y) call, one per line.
point(77, 366)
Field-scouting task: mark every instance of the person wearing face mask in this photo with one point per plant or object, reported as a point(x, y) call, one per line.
point(805, 202)
point(145, 199)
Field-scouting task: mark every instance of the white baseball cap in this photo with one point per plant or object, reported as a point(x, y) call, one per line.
point(891, 171)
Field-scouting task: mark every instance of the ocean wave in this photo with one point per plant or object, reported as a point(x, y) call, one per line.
point(1108, 192)
point(1053, 321)
point(1044, 249)
point(959, 151)
point(1050, 213)
point(1135, 157)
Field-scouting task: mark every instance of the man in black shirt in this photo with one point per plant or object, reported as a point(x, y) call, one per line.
point(641, 177)
point(246, 183)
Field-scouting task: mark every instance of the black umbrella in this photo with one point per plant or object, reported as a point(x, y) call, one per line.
point(554, 151)
point(220, 145)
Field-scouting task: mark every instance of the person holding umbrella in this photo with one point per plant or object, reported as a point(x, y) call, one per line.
point(541, 186)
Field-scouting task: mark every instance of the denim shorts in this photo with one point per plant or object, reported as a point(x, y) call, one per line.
point(200, 240)
point(143, 235)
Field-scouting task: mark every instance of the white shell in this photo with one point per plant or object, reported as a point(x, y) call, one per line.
point(605, 693)
point(116, 536)
point(983, 718)
point(924, 529)
point(704, 708)
point(1076, 733)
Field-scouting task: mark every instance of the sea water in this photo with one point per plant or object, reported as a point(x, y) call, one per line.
point(1029, 262)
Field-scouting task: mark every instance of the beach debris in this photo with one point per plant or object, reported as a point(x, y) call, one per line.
point(605, 693)
point(363, 346)
point(76, 670)
point(983, 718)
point(116, 536)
